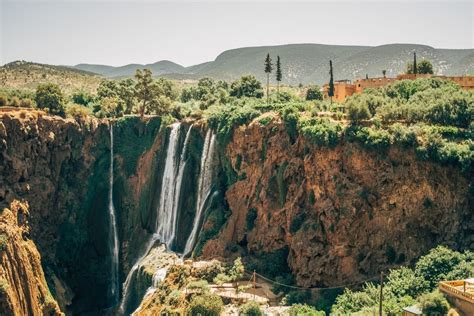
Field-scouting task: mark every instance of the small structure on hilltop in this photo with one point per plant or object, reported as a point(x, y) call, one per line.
point(460, 293)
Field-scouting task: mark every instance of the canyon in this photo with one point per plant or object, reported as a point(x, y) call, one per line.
point(91, 200)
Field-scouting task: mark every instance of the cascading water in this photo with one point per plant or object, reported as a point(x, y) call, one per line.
point(204, 186)
point(113, 235)
point(165, 225)
point(171, 192)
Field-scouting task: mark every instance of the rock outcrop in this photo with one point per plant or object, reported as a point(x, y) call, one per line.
point(343, 213)
point(23, 288)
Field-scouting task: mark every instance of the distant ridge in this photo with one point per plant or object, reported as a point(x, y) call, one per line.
point(306, 63)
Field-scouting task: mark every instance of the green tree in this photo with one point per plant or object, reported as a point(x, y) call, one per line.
point(331, 81)
point(144, 90)
point(126, 93)
point(278, 75)
point(434, 303)
point(437, 264)
point(357, 111)
point(314, 93)
point(268, 70)
point(425, 67)
point(107, 88)
point(81, 97)
point(384, 73)
point(246, 86)
point(49, 96)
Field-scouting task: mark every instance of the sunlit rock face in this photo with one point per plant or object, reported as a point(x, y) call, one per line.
point(342, 213)
point(23, 288)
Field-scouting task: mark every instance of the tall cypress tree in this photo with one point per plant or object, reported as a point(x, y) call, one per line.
point(331, 82)
point(278, 75)
point(268, 70)
point(415, 67)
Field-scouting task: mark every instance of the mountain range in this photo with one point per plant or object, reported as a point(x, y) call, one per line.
point(306, 63)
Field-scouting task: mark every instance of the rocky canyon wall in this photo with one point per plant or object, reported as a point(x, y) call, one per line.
point(332, 215)
point(338, 214)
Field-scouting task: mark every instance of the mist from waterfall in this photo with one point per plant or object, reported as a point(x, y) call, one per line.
point(113, 234)
point(204, 186)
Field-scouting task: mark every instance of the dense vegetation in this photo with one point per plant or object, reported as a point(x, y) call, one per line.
point(406, 286)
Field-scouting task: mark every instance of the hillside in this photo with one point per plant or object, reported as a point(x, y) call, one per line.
point(307, 63)
point(27, 75)
point(158, 68)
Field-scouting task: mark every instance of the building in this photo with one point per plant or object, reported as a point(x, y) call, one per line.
point(460, 293)
point(344, 88)
point(412, 311)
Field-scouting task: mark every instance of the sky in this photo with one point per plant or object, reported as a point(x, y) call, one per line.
point(120, 32)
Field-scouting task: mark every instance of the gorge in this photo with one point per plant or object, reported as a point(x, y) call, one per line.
point(98, 197)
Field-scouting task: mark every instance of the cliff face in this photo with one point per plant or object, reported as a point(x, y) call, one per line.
point(23, 288)
point(343, 213)
point(336, 215)
point(47, 162)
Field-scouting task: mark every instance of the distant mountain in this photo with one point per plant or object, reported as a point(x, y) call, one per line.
point(158, 69)
point(307, 63)
point(27, 75)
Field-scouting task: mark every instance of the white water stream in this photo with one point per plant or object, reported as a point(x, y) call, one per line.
point(165, 225)
point(204, 186)
point(113, 234)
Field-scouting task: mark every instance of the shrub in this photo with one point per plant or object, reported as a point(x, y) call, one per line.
point(321, 131)
point(205, 305)
point(3, 242)
point(250, 309)
point(210, 271)
point(78, 112)
point(434, 303)
point(314, 93)
point(351, 302)
point(27, 103)
point(49, 96)
point(200, 286)
point(174, 298)
point(371, 137)
point(81, 97)
point(304, 310)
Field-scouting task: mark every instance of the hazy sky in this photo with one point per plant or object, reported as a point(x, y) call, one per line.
point(190, 32)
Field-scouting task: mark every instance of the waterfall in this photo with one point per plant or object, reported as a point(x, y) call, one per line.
point(171, 189)
point(165, 225)
point(204, 186)
point(113, 235)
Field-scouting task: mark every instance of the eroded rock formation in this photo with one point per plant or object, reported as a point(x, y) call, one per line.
point(23, 288)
